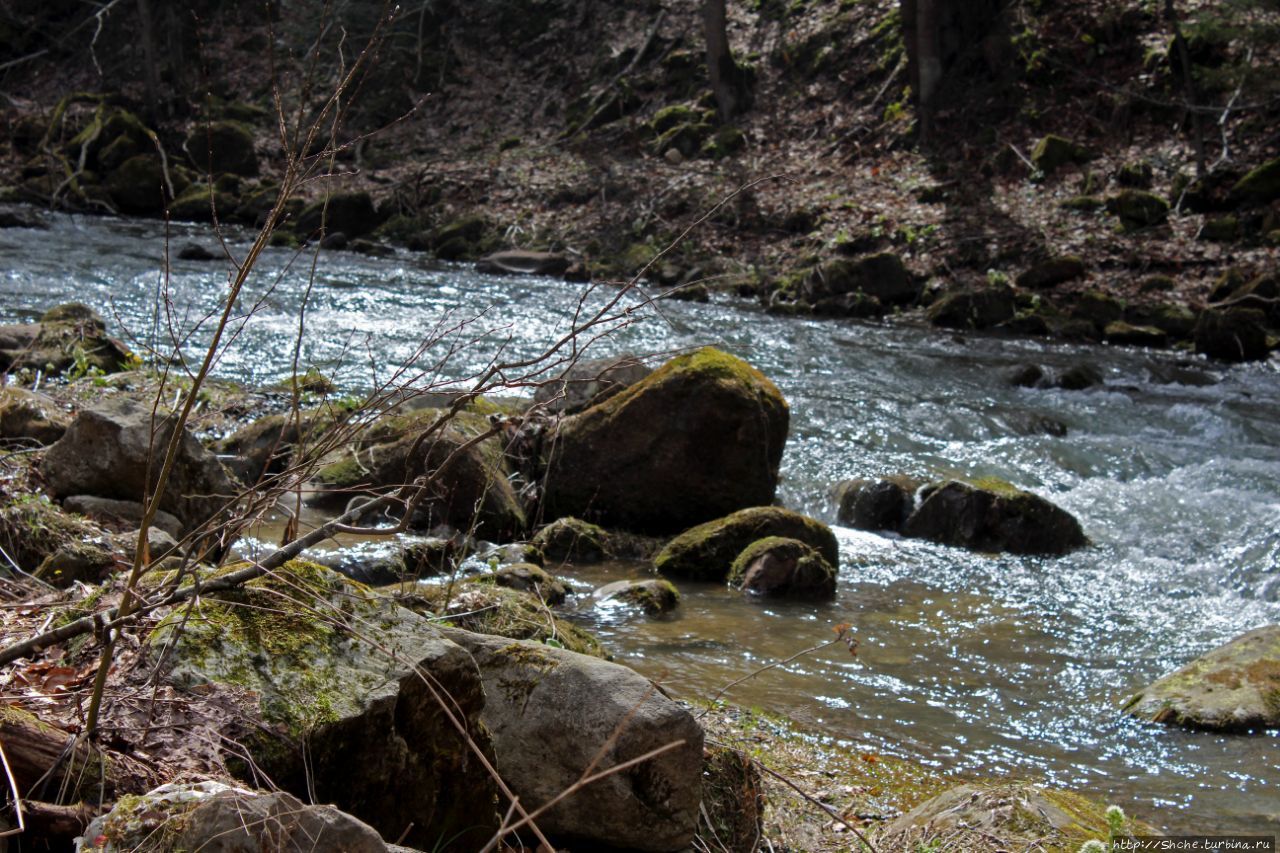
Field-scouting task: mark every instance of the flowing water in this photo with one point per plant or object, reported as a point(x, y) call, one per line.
point(991, 665)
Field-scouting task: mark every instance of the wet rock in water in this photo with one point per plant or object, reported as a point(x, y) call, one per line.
point(572, 540)
point(379, 563)
point(21, 219)
point(120, 514)
point(379, 743)
point(473, 491)
point(589, 382)
point(992, 515)
point(875, 504)
point(1232, 334)
point(701, 436)
point(30, 415)
point(979, 308)
point(106, 450)
point(1027, 376)
point(781, 567)
point(217, 818)
point(1126, 334)
point(70, 339)
point(1052, 272)
point(222, 146)
point(707, 552)
point(653, 595)
point(352, 213)
point(195, 252)
point(1002, 816)
point(527, 577)
point(334, 241)
point(553, 713)
point(1078, 377)
point(518, 262)
point(1235, 687)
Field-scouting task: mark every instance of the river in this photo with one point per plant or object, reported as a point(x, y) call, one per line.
point(979, 664)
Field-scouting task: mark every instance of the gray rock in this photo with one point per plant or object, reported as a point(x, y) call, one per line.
point(1235, 687)
point(554, 713)
point(589, 382)
point(519, 262)
point(216, 818)
point(532, 579)
point(991, 515)
point(875, 504)
point(883, 277)
point(110, 511)
point(26, 414)
point(107, 452)
point(371, 688)
point(652, 595)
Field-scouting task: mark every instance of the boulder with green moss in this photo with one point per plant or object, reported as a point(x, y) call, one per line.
point(1138, 209)
point(1232, 334)
point(138, 185)
point(32, 528)
point(349, 213)
point(1127, 334)
point(585, 383)
point(992, 515)
point(1259, 186)
point(707, 552)
point(875, 504)
point(1053, 152)
point(70, 339)
point(1052, 272)
point(1000, 816)
point(553, 713)
point(1235, 687)
point(317, 658)
point(267, 445)
point(214, 817)
point(882, 277)
point(110, 450)
point(202, 202)
point(975, 308)
point(700, 437)
point(470, 479)
point(572, 540)
point(469, 236)
point(653, 595)
point(780, 567)
point(527, 577)
point(222, 146)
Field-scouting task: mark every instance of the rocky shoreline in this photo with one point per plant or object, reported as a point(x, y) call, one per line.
point(389, 686)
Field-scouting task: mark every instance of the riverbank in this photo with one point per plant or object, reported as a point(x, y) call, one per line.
point(1044, 207)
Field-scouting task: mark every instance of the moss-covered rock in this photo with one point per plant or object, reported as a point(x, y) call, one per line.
point(654, 596)
point(1052, 272)
point(1000, 816)
point(780, 567)
point(1232, 334)
point(992, 515)
point(267, 445)
point(726, 142)
point(881, 276)
point(700, 437)
point(200, 202)
point(32, 528)
point(318, 657)
point(526, 577)
point(1259, 186)
point(876, 504)
point(1053, 152)
point(707, 552)
point(468, 237)
point(70, 339)
point(572, 540)
point(349, 213)
point(222, 146)
point(979, 308)
point(1097, 307)
point(1127, 334)
point(1138, 209)
point(588, 382)
point(470, 488)
point(1173, 318)
point(138, 186)
point(1219, 229)
point(1235, 687)
point(480, 605)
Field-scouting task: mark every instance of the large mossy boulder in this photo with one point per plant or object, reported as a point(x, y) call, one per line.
point(110, 450)
point(992, 515)
point(70, 339)
point(1138, 209)
point(707, 552)
point(138, 186)
point(1232, 334)
point(882, 276)
point(470, 483)
point(350, 213)
point(214, 817)
point(1053, 152)
point(350, 700)
point(654, 596)
point(978, 308)
point(1235, 687)
point(222, 147)
point(700, 437)
point(779, 567)
point(1003, 816)
point(1259, 186)
point(33, 528)
point(553, 713)
point(572, 540)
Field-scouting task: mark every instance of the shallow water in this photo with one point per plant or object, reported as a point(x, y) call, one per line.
point(984, 664)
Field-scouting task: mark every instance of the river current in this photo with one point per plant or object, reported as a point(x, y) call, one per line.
point(987, 665)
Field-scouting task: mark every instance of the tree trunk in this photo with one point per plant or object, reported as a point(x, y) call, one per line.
point(150, 75)
point(928, 63)
point(721, 69)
